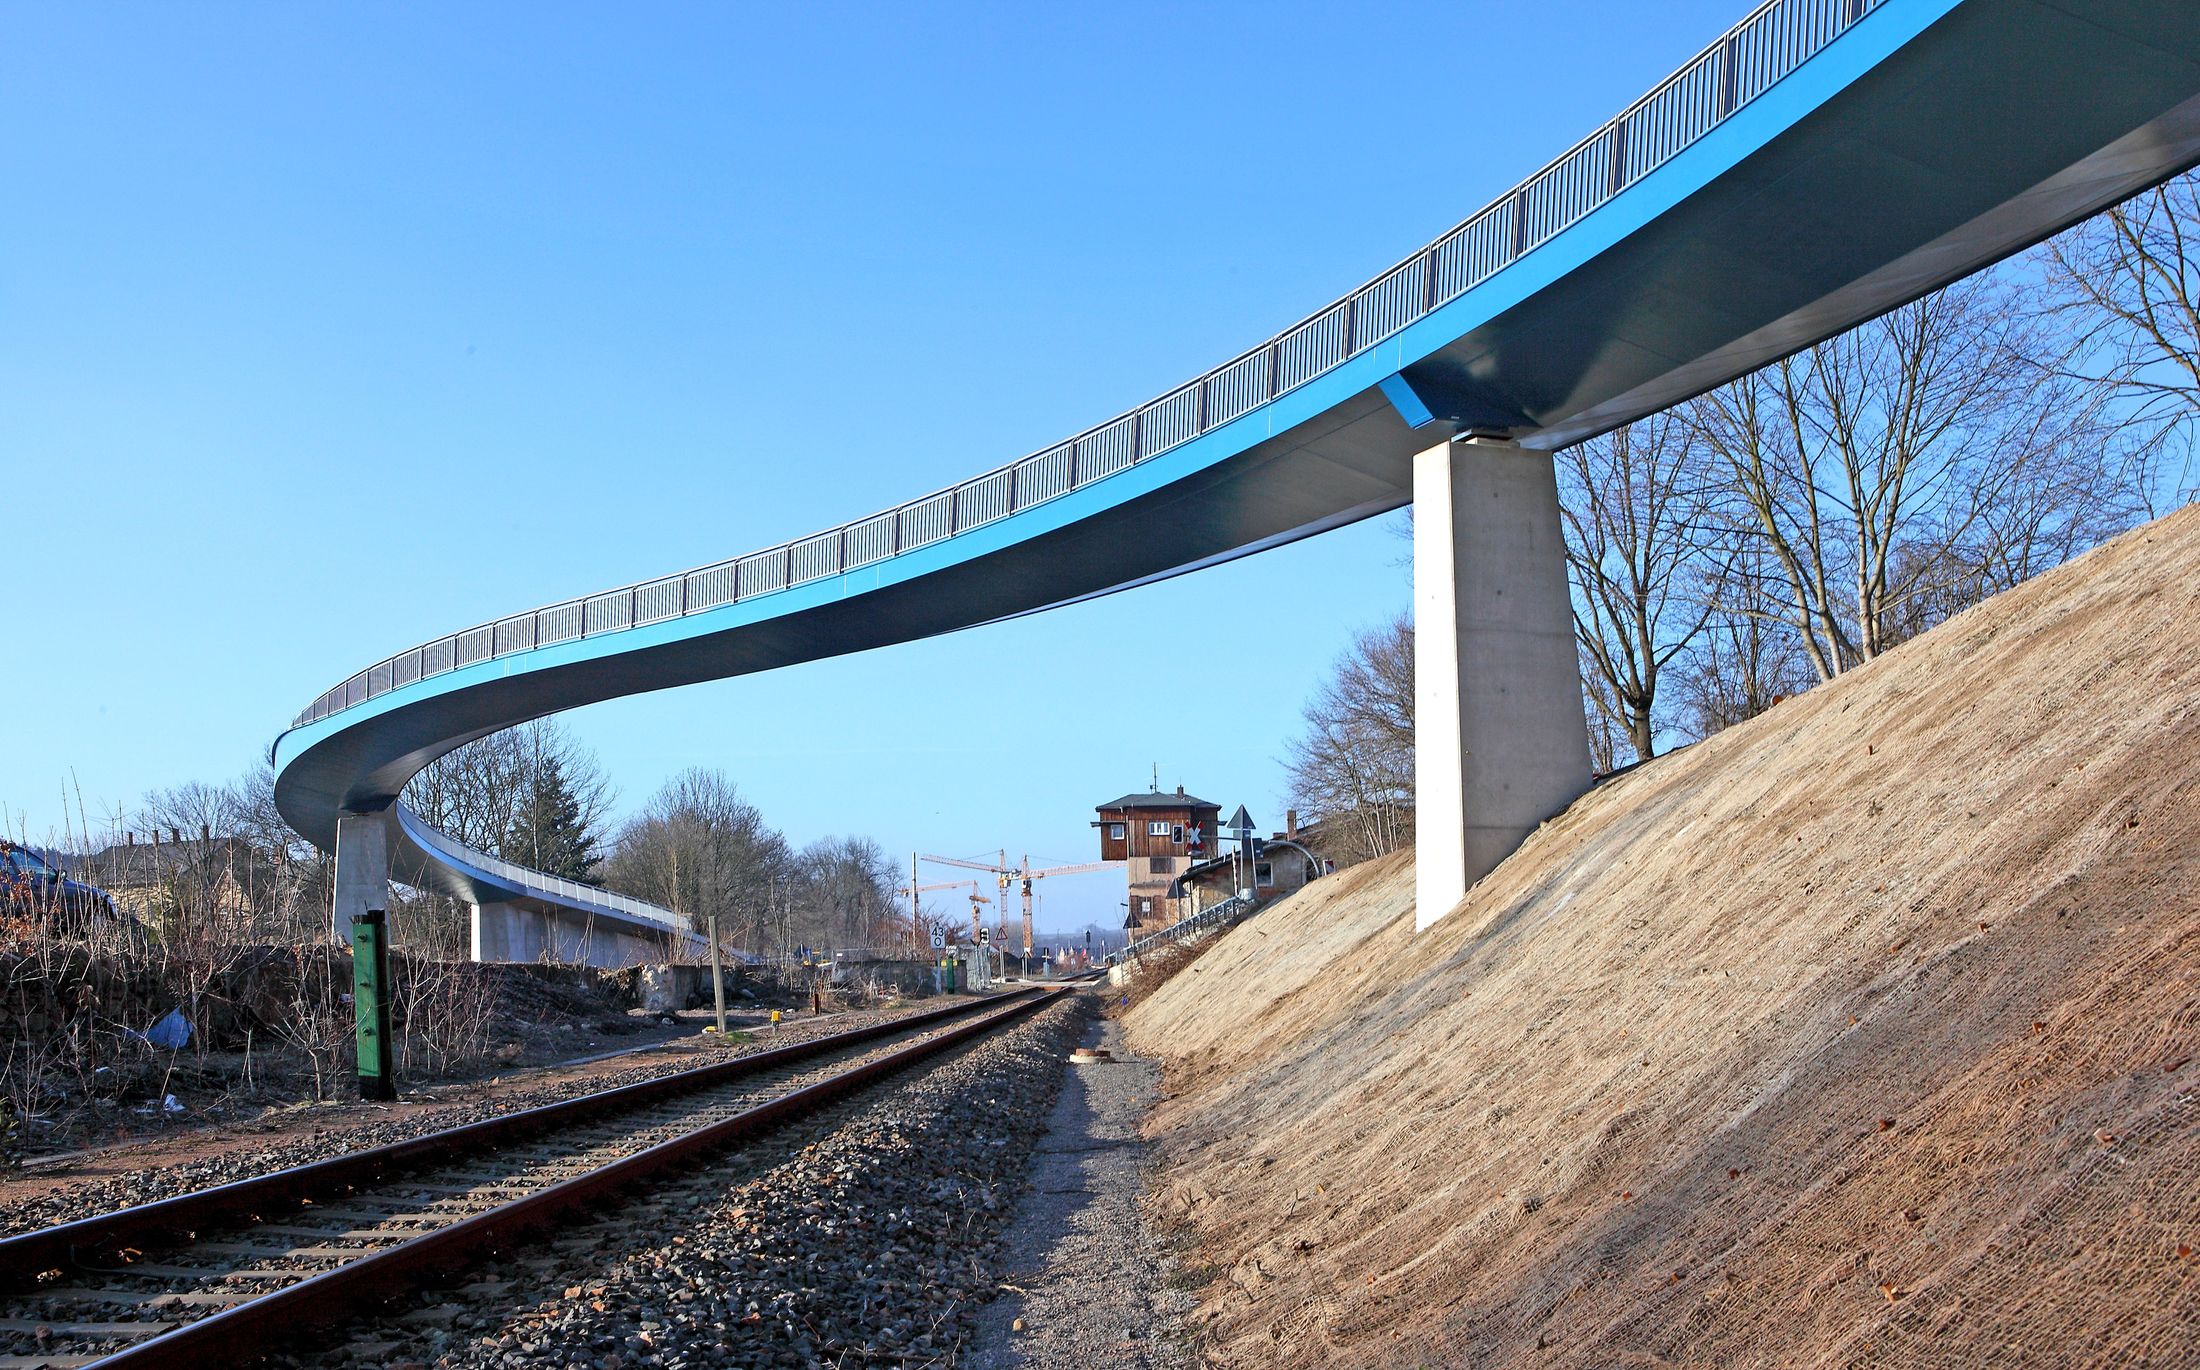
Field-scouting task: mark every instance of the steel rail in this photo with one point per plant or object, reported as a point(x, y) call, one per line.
point(249, 1331)
point(26, 1256)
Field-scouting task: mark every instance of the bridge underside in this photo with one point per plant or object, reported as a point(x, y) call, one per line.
point(1824, 202)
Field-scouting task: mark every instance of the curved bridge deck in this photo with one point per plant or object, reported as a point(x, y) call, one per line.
point(1819, 163)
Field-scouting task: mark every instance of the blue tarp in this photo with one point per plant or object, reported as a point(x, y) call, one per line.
point(172, 1032)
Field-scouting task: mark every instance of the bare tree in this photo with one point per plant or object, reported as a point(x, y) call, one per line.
point(1884, 471)
point(2125, 287)
point(220, 863)
point(1633, 504)
point(699, 849)
point(1748, 657)
point(480, 793)
point(844, 895)
point(1352, 769)
point(1605, 738)
point(498, 794)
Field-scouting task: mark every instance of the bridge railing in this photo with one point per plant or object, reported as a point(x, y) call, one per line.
point(570, 893)
point(1743, 63)
point(1221, 915)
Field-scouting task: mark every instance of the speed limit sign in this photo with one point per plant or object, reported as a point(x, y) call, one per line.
point(939, 939)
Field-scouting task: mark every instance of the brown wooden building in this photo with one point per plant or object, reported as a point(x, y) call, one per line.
point(1158, 836)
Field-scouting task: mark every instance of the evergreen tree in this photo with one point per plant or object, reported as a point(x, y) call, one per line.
point(549, 831)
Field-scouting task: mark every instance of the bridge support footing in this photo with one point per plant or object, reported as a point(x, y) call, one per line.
point(1500, 739)
point(362, 877)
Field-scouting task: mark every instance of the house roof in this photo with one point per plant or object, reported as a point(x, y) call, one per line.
point(124, 865)
point(1268, 845)
point(1158, 800)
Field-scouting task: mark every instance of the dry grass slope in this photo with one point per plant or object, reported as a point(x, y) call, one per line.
point(1865, 1034)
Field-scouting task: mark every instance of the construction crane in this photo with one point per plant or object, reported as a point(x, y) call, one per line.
point(1005, 873)
point(916, 917)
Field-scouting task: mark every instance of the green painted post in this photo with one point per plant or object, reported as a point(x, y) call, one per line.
point(370, 978)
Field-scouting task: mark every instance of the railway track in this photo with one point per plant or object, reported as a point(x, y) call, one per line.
point(232, 1272)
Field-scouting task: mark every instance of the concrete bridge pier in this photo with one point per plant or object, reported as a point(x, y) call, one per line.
point(362, 877)
point(507, 932)
point(1500, 738)
point(513, 932)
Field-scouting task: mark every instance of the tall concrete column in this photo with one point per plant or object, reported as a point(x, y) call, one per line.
point(1500, 740)
point(362, 877)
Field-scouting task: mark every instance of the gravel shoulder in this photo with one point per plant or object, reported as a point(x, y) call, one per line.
point(1087, 1283)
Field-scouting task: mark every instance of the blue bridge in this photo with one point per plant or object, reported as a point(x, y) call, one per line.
point(1819, 163)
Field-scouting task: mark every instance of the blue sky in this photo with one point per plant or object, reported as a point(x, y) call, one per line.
point(326, 329)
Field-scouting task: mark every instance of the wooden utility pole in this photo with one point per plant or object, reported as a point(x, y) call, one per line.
point(717, 977)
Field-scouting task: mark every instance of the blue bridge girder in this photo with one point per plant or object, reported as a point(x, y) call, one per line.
point(1818, 164)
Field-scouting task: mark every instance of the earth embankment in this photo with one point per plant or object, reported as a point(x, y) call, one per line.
point(1864, 1033)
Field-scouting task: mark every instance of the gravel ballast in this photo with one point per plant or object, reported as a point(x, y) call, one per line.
point(870, 1235)
point(338, 1129)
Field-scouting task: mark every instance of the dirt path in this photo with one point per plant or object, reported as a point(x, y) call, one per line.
point(1087, 1284)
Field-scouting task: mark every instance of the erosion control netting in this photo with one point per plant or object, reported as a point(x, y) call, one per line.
point(2099, 1270)
point(1866, 1033)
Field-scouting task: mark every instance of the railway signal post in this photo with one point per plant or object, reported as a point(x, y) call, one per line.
point(370, 978)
